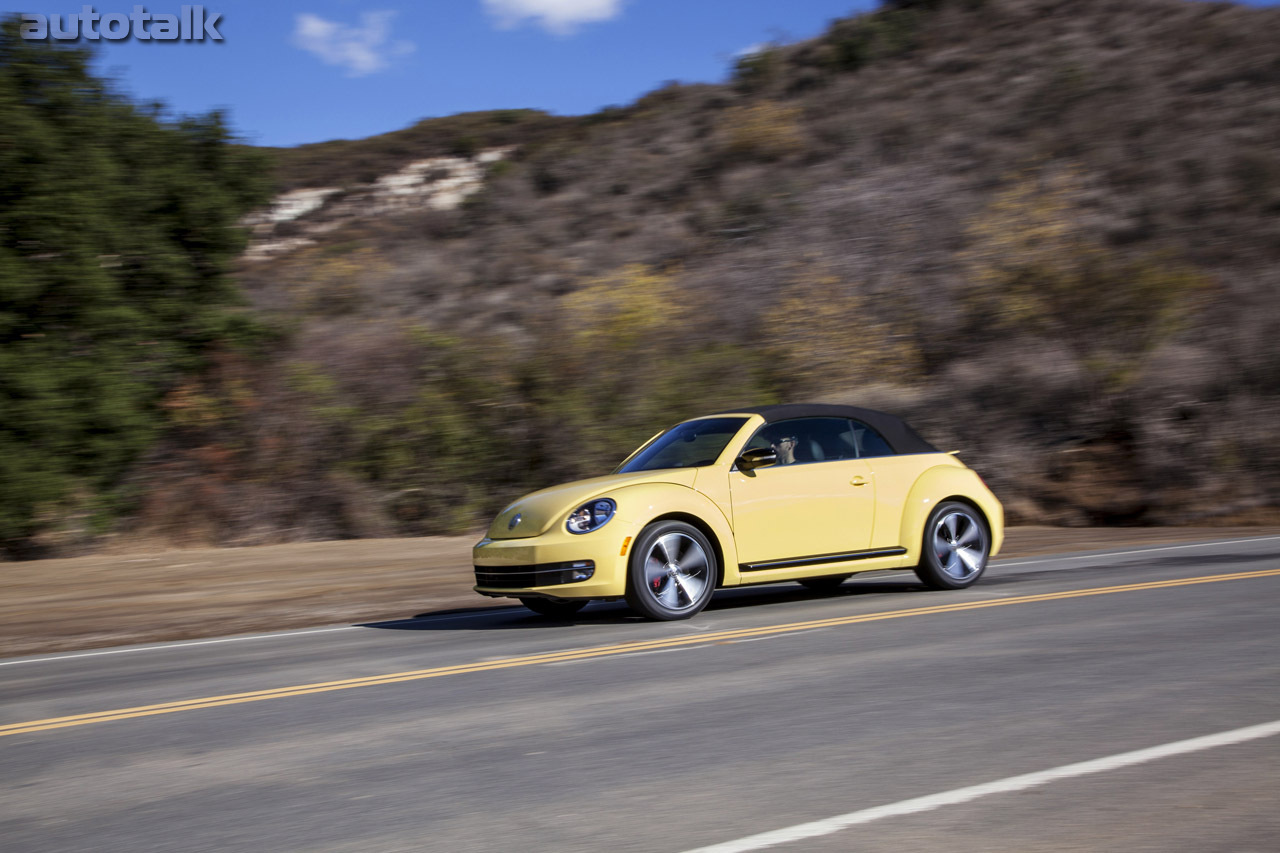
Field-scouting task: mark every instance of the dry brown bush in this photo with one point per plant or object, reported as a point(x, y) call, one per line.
point(766, 131)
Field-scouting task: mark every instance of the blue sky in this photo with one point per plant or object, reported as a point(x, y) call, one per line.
point(295, 71)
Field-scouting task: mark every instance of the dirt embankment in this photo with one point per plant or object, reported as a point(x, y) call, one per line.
point(87, 602)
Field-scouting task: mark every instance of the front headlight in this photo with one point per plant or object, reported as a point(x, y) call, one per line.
point(591, 515)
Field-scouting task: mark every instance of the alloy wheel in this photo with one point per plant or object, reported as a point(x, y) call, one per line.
point(959, 541)
point(676, 571)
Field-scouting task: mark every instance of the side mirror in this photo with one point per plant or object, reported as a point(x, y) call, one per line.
point(757, 458)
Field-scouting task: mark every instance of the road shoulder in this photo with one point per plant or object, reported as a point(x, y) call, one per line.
point(110, 600)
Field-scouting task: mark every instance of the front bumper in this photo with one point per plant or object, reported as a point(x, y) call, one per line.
point(548, 566)
point(539, 574)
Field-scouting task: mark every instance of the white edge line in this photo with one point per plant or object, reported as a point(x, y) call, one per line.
point(830, 825)
point(492, 611)
point(273, 636)
point(1099, 554)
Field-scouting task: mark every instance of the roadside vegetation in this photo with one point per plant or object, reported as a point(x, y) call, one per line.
point(1044, 232)
point(116, 241)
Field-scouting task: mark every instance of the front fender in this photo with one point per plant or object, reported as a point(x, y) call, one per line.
point(938, 484)
point(645, 503)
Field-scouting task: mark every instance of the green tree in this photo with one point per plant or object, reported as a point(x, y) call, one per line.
point(117, 227)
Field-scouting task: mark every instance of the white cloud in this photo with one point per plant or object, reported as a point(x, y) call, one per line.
point(561, 17)
point(752, 50)
point(360, 50)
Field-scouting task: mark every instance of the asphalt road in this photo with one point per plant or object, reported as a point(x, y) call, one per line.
point(774, 709)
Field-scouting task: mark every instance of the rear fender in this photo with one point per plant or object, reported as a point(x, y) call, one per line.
point(942, 483)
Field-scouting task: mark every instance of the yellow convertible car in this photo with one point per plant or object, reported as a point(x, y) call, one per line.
point(807, 493)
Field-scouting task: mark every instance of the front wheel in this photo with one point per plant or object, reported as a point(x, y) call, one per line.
point(552, 608)
point(671, 573)
point(955, 548)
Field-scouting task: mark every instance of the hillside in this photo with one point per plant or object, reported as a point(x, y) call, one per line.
point(1045, 232)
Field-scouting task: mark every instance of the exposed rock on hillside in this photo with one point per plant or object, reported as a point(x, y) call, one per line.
point(436, 183)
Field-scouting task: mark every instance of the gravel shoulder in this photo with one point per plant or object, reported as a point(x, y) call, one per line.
point(109, 600)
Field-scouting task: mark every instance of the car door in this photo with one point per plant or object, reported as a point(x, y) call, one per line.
point(819, 502)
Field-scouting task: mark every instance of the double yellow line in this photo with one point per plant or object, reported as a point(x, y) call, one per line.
point(594, 652)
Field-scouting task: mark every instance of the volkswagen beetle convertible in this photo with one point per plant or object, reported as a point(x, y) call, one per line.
point(806, 493)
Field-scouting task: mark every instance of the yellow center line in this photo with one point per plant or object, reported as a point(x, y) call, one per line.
point(594, 652)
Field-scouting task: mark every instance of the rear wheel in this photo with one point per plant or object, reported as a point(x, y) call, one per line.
point(827, 583)
point(955, 548)
point(672, 571)
point(552, 608)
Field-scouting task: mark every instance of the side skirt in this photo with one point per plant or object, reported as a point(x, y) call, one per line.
point(821, 559)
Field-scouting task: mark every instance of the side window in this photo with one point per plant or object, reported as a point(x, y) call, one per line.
point(805, 440)
point(869, 442)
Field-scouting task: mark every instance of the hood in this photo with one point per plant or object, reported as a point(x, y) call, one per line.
point(539, 510)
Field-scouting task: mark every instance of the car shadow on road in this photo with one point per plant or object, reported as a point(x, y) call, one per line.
point(897, 586)
point(518, 618)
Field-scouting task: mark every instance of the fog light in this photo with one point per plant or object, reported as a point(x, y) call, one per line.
point(581, 570)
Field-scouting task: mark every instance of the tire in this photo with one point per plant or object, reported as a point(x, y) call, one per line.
point(672, 572)
point(826, 583)
point(955, 547)
point(554, 609)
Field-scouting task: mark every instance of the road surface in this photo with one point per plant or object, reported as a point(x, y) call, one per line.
point(1114, 701)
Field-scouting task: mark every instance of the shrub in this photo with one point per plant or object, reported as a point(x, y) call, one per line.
point(852, 43)
point(826, 337)
point(757, 70)
point(765, 131)
point(1033, 267)
point(623, 358)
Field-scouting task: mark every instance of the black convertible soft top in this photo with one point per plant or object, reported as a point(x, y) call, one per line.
point(896, 431)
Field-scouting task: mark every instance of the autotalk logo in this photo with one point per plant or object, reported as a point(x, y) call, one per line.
point(193, 23)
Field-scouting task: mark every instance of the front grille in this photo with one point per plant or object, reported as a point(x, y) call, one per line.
point(543, 574)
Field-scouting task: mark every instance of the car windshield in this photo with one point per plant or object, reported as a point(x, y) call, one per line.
point(691, 444)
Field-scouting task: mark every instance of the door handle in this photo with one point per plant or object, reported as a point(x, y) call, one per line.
point(858, 481)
